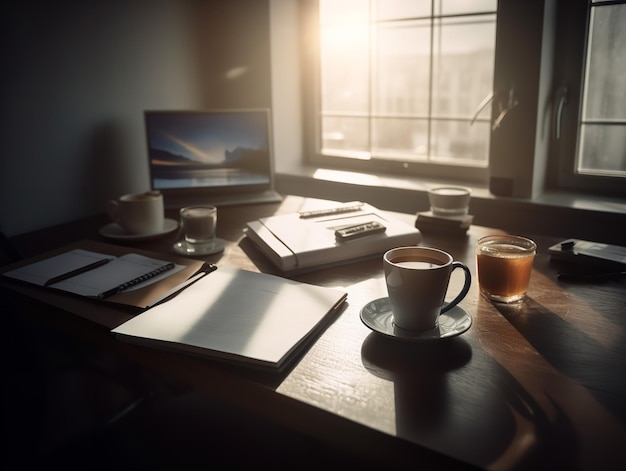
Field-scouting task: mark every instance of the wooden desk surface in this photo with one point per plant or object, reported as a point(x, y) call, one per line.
point(540, 383)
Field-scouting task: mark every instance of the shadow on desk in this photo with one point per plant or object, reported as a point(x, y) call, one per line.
point(573, 352)
point(441, 397)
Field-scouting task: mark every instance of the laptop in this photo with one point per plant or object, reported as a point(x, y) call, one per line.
point(218, 157)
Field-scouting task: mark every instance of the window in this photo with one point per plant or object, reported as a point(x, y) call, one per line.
point(400, 86)
point(590, 117)
point(400, 83)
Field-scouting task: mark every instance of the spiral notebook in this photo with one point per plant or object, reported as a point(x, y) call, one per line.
point(94, 274)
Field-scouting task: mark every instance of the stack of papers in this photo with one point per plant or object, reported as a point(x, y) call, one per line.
point(302, 242)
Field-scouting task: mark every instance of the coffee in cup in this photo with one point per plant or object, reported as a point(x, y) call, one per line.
point(417, 281)
point(138, 213)
point(504, 265)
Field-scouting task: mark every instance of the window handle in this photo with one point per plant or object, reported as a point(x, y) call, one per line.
point(561, 100)
point(505, 104)
point(488, 99)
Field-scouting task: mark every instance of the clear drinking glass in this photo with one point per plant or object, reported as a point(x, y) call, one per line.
point(198, 226)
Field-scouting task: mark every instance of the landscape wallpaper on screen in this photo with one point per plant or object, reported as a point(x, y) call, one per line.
point(196, 150)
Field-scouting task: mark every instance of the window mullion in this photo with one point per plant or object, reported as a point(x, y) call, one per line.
point(370, 79)
point(429, 130)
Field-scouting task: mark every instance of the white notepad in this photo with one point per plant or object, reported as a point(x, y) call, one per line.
point(237, 315)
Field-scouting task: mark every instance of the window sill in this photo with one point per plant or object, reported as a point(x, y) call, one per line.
point(553, 213)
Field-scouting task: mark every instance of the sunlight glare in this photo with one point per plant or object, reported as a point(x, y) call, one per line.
point(344, 24)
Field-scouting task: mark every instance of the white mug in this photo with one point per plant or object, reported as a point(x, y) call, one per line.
point(139, 213)
point(417, 281)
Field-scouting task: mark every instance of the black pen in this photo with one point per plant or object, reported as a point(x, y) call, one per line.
point(204, 270)
point(78, 271)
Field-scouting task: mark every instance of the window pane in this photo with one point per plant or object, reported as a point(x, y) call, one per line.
point(393, 9)
point(388, 78)
point(400, 138)
point(457, 140)
point(463, 66)
point(402, 69)
point(603, 129)
point(345, 134)
point(602, 150)
point(344, 33)
point(455, 7)
point(606, 69)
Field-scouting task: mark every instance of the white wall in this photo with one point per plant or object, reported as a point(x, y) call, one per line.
point(286, 63)
point(78, 76)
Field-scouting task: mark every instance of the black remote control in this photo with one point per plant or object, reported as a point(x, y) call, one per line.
point(359, 230)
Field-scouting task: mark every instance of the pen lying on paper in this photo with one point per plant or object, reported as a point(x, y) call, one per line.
point(347, 208)
point(76, 272)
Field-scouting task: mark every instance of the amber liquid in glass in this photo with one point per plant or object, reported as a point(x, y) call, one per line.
point(504, 272)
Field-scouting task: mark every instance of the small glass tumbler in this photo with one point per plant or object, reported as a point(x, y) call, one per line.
point(198, 226)
point(504, 264)
point(449, 201)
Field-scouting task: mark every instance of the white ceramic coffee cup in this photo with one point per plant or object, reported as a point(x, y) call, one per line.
point(449, 200)
point(138, 213)
point(417, 281)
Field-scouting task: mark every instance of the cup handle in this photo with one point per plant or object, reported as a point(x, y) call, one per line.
point(113, 210)
point(466, 287)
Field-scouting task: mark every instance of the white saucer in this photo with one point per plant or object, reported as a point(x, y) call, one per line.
point(115, 231)
point(377, 315)
point(183, 248)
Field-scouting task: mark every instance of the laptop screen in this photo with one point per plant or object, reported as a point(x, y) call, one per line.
point(209, 154)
